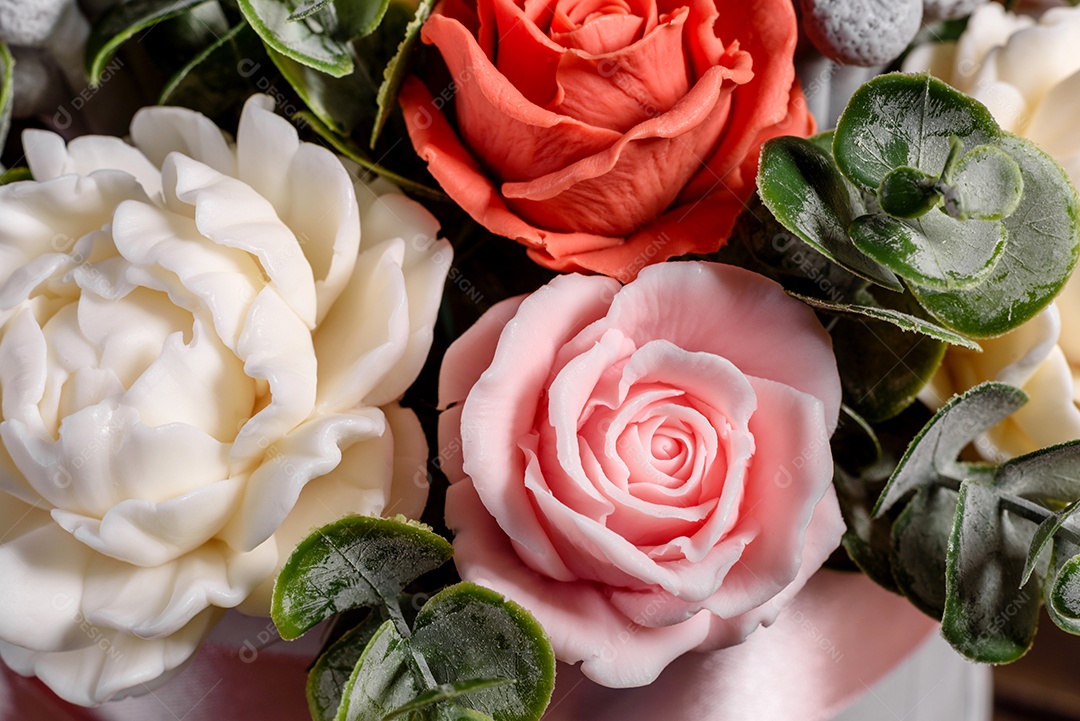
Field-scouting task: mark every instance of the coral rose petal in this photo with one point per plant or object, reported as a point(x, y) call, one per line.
point(524, 54)
point(582, 624)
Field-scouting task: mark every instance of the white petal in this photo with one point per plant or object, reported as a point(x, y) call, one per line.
point(232, 214)
point(1053, 124)
point(43, 570)
point(308, 453)
point(409, 489)
point(86, 154)
point(265, 146)
point(366, 332)
point(116, 665)
point(277, 348)
point(158, 131)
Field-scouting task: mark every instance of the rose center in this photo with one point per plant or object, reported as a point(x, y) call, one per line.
point(664, 447)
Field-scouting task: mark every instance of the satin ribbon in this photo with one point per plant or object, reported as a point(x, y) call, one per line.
point(838, 638)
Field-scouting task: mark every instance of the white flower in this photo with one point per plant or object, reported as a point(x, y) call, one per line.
point(1027, 72)
point(199, 362)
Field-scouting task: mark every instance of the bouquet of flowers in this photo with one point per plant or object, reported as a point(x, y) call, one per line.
point(484, 342)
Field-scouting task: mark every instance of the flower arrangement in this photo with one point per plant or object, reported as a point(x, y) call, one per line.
point(486, 344)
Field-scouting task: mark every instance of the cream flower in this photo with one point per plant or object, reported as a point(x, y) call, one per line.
point(1027, 72)
point(199, 362)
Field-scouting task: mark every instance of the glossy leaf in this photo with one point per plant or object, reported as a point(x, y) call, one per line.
point(302, 41)
point(990, 616)
point(359, 18)
point(933, 251)
point(908, 193)
point(899, 120)
point(356, 154)
point(398, 67)
point(801, 186)
point(1044, 240)
point(503, 642)
point(123, 21)
point(338, 102)
point(933, 453)
point(354, 562)
point(988, 185)
point(903, 321)
point(223, 73)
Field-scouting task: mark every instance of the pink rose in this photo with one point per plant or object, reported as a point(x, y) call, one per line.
point(645, 467)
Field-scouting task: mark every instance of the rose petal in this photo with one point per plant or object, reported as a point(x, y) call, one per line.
point(49, 158)
point(159, 131)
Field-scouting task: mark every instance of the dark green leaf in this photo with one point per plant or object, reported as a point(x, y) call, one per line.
point(358, 18)
point(865, 539)
point(331, 673)
point(303, 41)
point(1044, 534)
point(899, 120)
point(383, 679)
point(14, 175)
point(337, 101)
point(210, 83)
point(990, 616)
point(123, 21)
point(307, 9)
point(398, 68)
point(883, 368)
point(466, 631)
point(987, 185)
point(1040, 254)
point(355, 562)
point(908, 193)
point(800, 185)
point(903, 321)
point(447, 692)
point(1062, 585)
point(354, 153)
point(932, 453)
point(920, 541)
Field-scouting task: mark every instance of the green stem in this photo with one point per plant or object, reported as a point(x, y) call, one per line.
point(420, 666)
point(1037, 514)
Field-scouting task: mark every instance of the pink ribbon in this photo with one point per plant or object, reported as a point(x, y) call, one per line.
point(838, 638)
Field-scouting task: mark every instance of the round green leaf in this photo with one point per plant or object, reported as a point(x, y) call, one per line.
point(301, 40)
point(383, 679)
point(354, 562)
point(934, 251)
point(986, 184)
point(503, 641)
point(903, 120)
point(908, 193)
point(801, 186)
point(1044, 240)
point(920, 541)
point(333, 670)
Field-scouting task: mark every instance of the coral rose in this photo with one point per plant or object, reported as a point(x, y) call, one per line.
point(606, 135)
point(645, 468)
point(199, 362)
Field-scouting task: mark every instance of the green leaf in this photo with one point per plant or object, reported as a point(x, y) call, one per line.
point(903, 321)
point(398, 68)
point(503, 641)
point(303, 41)
point(383, 679)
point(1044, 240)
point(934, 251)
point(358, 18)
point(210, 83)
point(919, 547)
point(865, 539)
point(1062, 587)
point(121, 22)
point(354, 153)
point(932, 453)
point(987, 185)
point(309, 9)
point(333, 669)
point(990, 616)
point(900, 120)
point(800, 185)
point(354, 562)
point(14, 175)
point(447, 692)
point(1044, 534)
point(883, 368)
point(7, 93)
point(908, 193)
point(337, 101)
